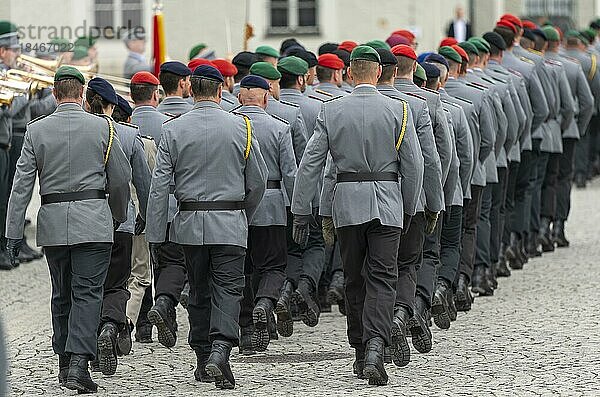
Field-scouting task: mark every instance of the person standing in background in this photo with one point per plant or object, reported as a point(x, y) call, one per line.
point(459, 28)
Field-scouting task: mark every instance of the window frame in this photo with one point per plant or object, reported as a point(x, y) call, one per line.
point(117, 15)
point(293, 17)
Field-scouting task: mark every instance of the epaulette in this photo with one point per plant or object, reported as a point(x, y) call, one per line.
point(536, 52)
point(398, 99)
point(515, 72)
point(484, 78)
point(332, 99)
point(317, 98)
point(415, 95)
point(463, 99)
point(319, 91)
point(171, 114)
point(234, 109)
point(227, 100)
point(571, 59)
point(526, 60)
point(129, 125)
point(148, 137)
point(478, 86)
point(430, 90)
point(276, 117)
point(38, 118)
point(498, 79)
point(500, 71)
point(447, 102)
point(289, 103)
point(172, 118)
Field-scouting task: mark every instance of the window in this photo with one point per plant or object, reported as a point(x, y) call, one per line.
point(293, 16)
point(113, 14)
point(563, 8)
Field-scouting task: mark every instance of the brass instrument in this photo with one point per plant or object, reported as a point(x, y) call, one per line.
point(6, 97)
point(40, 66)
point(42, 80)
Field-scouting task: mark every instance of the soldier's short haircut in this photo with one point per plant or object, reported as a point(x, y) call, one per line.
point(539, 43)
point(432, 83)
point(205, 88)
point(263, 58)
point(170, 82)
point(443, 70)
point(387, 73)
point(363, 69)
point(494, 51)
point(287, 80)
point(573, 41)
point(141, 92)
point(324, 74)
point(454, 65)
point(552, 45)
point(405, 65)
point(507, 34)
point(66, 89)
point(242, 72)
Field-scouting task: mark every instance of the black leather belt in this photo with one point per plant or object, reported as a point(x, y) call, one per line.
point(273, 184)
point(211, 205)
point(4, 146)
point(367, 176)
point(19, 130)
point(73, 196)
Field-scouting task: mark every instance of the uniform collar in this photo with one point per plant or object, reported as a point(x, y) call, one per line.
point(144, 108)
point(173, 98)
point(63, 107)
point(206, 105)
point(250, 109)
point(403, 81)
point(290, 92)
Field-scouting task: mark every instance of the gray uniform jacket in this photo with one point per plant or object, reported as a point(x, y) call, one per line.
point(67, 150)
point(432, 194)
point(292, 114)
point(582, 96)
point(229, 101)
point(564, 108)
point(377, 122)
point(174, 106)
point(592, 73)
point(441, 131)
point(41, 104)
point(6, 115)
point(133, 64)
point(131, 143)
point(463, 147)
point(327, 91)
point(484, 127)
point(452, 187)
point(276, 148)
point(204, 151)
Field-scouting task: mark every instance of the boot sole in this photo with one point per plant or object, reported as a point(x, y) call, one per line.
point(375, 377)
point(462, 302)
point(260, 336)
point(420, 340)
point(399, 349)
point(308, 313)
point(165, 336)
point(220, 381)
point(183, 300)
point(440, 314)
point(482, 291)
point(107, 356)
point(73, 384)
point(334, 296)
point(285, 323)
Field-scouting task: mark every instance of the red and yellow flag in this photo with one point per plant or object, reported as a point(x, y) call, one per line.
point(158, 39)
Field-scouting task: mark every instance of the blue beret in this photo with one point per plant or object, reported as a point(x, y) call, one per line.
point(104, 89)
point(430, 70)
point(175, 67)
point(437, 58)
point(124, 105)
point(422, 56)
point(253, 81)
point(208, 72)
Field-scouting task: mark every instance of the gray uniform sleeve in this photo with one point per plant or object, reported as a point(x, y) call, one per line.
point(512, 121)
point(432, 177)
point(118, 176)
point(586, 103)
point(487, 129)
point(567, 106)
point(501, 123)
point(299, 134)
point(44, 104)
point(538, 102)
point(141, 176)
point(411, 168)
point(519, 112)
point(18, 103)
point(329, 179)
point(256, 174)
point(22, 190)
point(158, 200)
point(464, 151)
point(287, 162)
point(442, 139)
point(453, 173)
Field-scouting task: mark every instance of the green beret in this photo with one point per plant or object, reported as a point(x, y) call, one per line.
point(84, 41)
point(481, 44)
point(468, 47)
point(265, 70)
point(420, 72)
point(60, 42)
point(365, 53)
point(7, 27)
point(589, 34)
point(378, 44)
point(551, 33)
point(79, 52)
point(450, 53)
point(293, 65)
point(68, 72)
point(267, 50)
point(196, 50)
point(573, 33)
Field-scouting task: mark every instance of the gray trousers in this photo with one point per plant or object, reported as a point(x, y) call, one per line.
point(77, 273)
point(306, 262)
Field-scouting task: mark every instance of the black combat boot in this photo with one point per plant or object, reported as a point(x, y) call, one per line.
point(439, 307)
point(324, 304)
point(374, 369)
point(246, 348)
point(200, 373)
point(463, 298)
point(185, 295)
point(272, 327)
point(490, 273)
point(545, 235)
point(580, 181)
point(419, 330)
point(260, 317)
point(28, 254)
point(452, 312)
point(512, 252)
point(285, 322)
point(304, 298)
point(79, 377)
point(558, 234)
point(143, 333)
point(217, 365)
point(162, 315)
point(5, 261)
point(335, 294)
point(479, 282)
point(533, 247)
point(400, 350)
point(359, 362)
point(107, 349)
point(124, 339)
point(500, 267)
point(523, 243)
point(63, 368)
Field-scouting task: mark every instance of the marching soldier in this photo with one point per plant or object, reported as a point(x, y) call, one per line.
point(228, 71)
point(242, 61)
point(265, 53)
point(330, 75)
point(367, 180)
point(72, 148)
point(136, 60)
point(174, 78)
point(211, 223)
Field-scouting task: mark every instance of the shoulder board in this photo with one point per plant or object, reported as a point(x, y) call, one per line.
point(498, 79)
point(463, 99)
point(316, 97)
point(234, 110)
point(552, 62)
point(536, 52)
point(171, 114)
point(129, 125)
point(415, 95)
point(147, 137)
point(500, 71)
point(332, 99)
point(447, 111)
point(398, 99)
point(526, 60)
point(515, 72)
point(570, 58)
point(323, 92)
point(485, 78)
point(447, 102)
point(280, 119)
point(173, 117)
point(478, 86)
point(429, 90)
point(38, 118)
point(227, 100)
point(289, 103)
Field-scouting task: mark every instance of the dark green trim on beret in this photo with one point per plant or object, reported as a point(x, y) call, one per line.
point(265, 70)
point(365, 53)
point(68, 72)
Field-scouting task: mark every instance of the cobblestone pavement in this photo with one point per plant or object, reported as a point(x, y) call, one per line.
point(539, 335)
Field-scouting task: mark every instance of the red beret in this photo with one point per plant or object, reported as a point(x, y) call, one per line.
point(226, 68)
point(512, 19)
point(347, 45)
point(396, 39)
point(529, 25)
point(406, 33)
point(194, 63)
point(461, 52)
point(448, 42)
point(330, 61)
point(144, 78)
point(507, 24)
point(560, 33)
point(405, 51)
